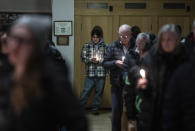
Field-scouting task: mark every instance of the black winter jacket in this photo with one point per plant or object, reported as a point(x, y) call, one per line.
point(159, 67)
point(57, 107)
point(179, 107)
point(130, 65)
point(113, 53)
point(190, 43)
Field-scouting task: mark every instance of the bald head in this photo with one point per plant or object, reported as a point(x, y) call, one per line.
point(125, 28)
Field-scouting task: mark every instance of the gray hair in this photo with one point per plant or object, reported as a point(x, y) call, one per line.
point(125, 27)
point(144, 36)
point(38, 25)
point(168, 28)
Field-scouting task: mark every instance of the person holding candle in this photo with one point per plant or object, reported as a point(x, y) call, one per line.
point(131, 65)
point(92, 55)
point(158, 64)
point(113, 61)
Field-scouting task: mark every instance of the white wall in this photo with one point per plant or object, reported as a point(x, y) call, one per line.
point(64, 10)
point(25, 5)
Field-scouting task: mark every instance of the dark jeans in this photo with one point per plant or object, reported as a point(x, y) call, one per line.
point(117, 107)
point(90, 83)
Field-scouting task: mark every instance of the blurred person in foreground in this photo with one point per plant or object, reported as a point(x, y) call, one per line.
point(159, 64)
point(6, 113)
point(179, 107)
point(5, 66)
point(41, 94)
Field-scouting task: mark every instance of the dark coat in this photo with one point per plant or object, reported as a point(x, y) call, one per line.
point(114, 53)
point(179, 107)
point(159, 68)
point(6, 112)
point(130, 65)
point(53, 53)
point(190, 43)
point(57, 107)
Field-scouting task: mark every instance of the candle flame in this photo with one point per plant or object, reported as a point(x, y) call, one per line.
point(143, 73)
point(123, 58)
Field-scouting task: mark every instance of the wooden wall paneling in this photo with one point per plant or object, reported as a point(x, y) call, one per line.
point(182, 21)
point(144, 22)
point(192, 5)
point(86, 24)
point(154, 25)
point(78, 47)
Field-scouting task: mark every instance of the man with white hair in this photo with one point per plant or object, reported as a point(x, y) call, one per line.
point(190, 40)
point(113, 60)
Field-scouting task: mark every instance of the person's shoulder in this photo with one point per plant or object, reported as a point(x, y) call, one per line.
point(52, 67)
point(87, 44)
point(103, 44)
point(115, 44)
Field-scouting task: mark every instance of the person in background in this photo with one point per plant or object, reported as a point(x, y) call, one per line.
point(135, 31)
point(159, 64)
point(54, 53)
point(131, 64)
point(153, 40)
point(190, 40)
point(113, 61)
point(92, 55)
point(41, 95)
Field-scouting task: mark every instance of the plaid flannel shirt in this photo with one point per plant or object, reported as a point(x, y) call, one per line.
point(89, 52)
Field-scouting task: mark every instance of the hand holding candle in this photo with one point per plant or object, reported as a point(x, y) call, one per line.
point(123, 58)
point(97, 57)
point(143, 73)
point(142, 82)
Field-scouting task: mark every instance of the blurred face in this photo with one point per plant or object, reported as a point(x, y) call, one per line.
point(95, 39)
point(20, 45)
point(4, 48)
point(169, 42)
point(125, 37)
point(140, 44)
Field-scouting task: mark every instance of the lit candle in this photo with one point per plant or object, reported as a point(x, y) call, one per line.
point(123, 58)
point(143, 73)
point(97, 57)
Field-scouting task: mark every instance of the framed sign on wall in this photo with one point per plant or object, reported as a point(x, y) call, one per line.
point(63, 40)
point(63, 28)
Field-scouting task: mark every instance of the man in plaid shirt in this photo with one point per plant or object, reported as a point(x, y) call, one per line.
point(92, 55)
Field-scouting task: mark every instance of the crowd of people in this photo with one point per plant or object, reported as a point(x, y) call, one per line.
point(151, 78)
point(145, 83)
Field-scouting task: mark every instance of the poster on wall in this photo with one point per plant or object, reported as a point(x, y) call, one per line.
point(63, 28)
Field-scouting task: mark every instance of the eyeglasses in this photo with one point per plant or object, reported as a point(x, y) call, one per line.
point(124, 36)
